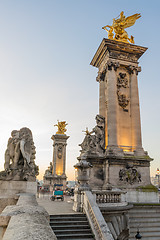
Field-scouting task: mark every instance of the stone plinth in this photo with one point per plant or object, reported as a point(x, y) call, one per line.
point(10, 188)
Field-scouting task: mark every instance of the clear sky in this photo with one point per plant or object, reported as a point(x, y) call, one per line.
point(45, 75)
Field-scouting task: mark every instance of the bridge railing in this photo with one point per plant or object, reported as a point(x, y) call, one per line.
point(108, 196)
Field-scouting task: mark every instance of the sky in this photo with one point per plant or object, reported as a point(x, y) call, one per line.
point(45, 74)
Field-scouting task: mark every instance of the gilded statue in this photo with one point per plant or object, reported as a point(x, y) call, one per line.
point(87, 132)
point(61, 127)
point(118, 26)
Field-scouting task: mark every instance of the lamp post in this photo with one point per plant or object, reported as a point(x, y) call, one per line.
point(138, 235)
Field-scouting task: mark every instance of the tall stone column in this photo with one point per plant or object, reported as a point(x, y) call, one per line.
point(102, 98)
point(111, 101)
point(59, 156)
point(117, 64)
point(135, 112)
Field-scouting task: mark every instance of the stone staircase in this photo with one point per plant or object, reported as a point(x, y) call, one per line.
point(71, 226)
point(146, 218)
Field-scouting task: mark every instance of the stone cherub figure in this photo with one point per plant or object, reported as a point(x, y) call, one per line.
point(94, 141)
point(19, 157)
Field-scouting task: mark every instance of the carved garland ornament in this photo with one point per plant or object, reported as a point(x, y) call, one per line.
point(122, 82)
point(129, 175)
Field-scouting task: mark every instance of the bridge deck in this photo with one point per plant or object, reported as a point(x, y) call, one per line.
point(56, 207)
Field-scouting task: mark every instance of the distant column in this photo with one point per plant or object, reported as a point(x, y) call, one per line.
point(135, 112)
point(59, 154)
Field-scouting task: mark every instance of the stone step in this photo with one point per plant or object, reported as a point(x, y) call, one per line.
point(75, 236)
point(86, 226)
point(145, 215)
point(146, 234)
point(69, 222)
point(75, 231)
point(145, 229)
point(67, 215)
point(71, 226)
point(68, 219)
point(144, 220)
point(79, 238)
point(145, 224)
point(141, 210)
point(146, 238)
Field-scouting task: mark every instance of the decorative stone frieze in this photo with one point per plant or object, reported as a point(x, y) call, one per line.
point(123, 56)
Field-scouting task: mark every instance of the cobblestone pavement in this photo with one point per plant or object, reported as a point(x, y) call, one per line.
point(57, 206)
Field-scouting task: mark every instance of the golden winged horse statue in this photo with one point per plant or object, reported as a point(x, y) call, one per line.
point(118, 26)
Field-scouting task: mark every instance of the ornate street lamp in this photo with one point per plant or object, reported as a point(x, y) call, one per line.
point(138, 235)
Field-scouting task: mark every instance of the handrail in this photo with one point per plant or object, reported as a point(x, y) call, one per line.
point(95, 217)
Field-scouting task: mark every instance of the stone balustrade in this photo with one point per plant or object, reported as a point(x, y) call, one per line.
point(107, 197)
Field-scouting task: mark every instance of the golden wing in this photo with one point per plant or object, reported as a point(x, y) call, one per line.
point(130, 21)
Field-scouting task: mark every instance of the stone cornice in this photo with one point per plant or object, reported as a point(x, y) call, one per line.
point(60, 137)
point(117, 50)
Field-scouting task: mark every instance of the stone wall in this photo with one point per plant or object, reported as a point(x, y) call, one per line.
point(25, 220)
point(4, 202)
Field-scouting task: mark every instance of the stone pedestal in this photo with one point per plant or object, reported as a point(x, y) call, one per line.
point(11, 188)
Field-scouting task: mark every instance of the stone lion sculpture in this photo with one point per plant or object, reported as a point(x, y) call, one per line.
point(19, 157)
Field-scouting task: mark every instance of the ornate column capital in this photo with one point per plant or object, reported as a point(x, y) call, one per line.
point(111, 64)
point(132, 68)
point(101, 75)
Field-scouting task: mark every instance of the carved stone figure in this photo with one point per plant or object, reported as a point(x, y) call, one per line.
point(19, 157)
point(95, 144)
point(48, 172)
point(129, 175)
